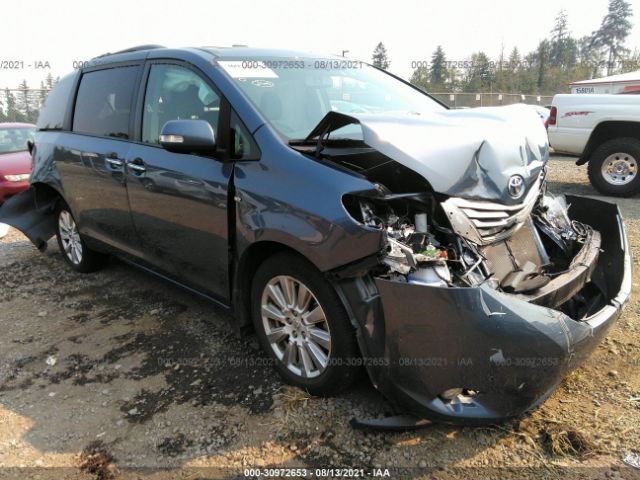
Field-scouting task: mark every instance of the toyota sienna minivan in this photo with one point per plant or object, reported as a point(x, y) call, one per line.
point(348, 218)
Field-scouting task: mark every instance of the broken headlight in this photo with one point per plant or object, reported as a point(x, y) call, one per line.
point(417, 250)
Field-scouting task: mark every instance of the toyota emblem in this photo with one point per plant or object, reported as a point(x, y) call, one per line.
point(516, 186)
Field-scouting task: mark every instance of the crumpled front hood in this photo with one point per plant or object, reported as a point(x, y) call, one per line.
point(464, 153)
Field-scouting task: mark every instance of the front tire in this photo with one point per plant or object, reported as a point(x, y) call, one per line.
point(303, 326)
point(73, 248)
point(613, 167)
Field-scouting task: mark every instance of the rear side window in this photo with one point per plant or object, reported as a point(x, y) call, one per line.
point(55, 106)
point(103, 104)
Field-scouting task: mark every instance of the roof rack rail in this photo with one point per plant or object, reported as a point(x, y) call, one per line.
point(132, 49)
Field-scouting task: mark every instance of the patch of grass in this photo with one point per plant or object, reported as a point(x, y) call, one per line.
point(97, 461)
point(574, 380)
point(550, 437)
point(565, 441)
point(292, 398)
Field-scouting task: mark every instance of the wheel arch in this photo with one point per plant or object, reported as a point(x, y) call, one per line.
point(245, 268)
point(606, 131)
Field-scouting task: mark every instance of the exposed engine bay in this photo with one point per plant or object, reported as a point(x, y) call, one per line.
point(543, 257)
point(467, 228)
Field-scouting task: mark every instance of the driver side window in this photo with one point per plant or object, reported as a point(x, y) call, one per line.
point(173, 93)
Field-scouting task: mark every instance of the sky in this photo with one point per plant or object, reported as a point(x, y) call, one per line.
point(52, 35)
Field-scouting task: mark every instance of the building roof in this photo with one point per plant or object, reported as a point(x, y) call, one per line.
point(622, 78)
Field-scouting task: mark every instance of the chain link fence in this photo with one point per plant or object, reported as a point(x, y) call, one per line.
point(470, 100)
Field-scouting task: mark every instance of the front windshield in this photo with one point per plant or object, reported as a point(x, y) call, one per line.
point(294, 95)
point(15, 139)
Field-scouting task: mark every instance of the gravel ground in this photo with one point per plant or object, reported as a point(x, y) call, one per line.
point(119, 375)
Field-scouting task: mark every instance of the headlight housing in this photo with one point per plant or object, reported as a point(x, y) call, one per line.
point(17, 178)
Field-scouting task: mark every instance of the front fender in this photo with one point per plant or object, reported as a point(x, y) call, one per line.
point(294, 200)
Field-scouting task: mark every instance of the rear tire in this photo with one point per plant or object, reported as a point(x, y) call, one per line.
point(613, 167)
point(303, 326)
point(73, 248)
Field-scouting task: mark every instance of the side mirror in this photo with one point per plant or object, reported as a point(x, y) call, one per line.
point(188, 136)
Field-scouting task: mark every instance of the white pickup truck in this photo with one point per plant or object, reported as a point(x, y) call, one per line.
point(603, 130)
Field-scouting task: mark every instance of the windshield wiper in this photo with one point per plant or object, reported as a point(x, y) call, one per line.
point(327, 143)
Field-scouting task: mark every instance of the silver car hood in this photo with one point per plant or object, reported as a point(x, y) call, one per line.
point(470, 153)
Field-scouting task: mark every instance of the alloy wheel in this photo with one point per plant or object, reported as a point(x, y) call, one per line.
point(296, 326)
point(70, 237)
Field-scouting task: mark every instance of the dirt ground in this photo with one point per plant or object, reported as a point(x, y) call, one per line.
point(120, 375)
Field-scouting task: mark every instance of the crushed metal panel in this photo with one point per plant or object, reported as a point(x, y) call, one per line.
point(465, 153)
point(503, 354)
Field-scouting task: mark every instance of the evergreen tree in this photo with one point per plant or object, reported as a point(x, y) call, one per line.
point(514, 70)
point(542, 63)
point(502, 77)
point(613, 32)
point(590, 59)
point(50, 82)
point(438, 74)
point(479, 77)
point(563, 49)
point(42, 94)
point(380, 58)
point(13, 115)
point(24, 102)
point(514, 63)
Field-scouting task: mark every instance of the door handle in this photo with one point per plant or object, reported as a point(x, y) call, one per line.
point(114, 162)
point(137, 165)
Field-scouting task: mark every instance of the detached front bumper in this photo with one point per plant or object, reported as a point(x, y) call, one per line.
point(421, 341)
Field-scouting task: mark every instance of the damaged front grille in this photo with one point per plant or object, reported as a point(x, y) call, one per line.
point(484, 222)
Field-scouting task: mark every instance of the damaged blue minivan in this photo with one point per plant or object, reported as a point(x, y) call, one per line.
point(348, 218)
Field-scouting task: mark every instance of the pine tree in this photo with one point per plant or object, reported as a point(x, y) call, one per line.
point(563, 49)
point(438, 73)
point(502, 78)
point(613, 32)
point(42, 94)
point(24, 103)
point(380, 58)
point(559, 34)
point(542, 62)
point(49, 81)
point(13, 115)
point(514, 62)
point(590, 58)
point(514, 69)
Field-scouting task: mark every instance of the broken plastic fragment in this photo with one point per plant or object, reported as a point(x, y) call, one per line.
point(556, 214)
point(632, 459)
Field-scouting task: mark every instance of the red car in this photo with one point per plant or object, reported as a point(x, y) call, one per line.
point(15, 159)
